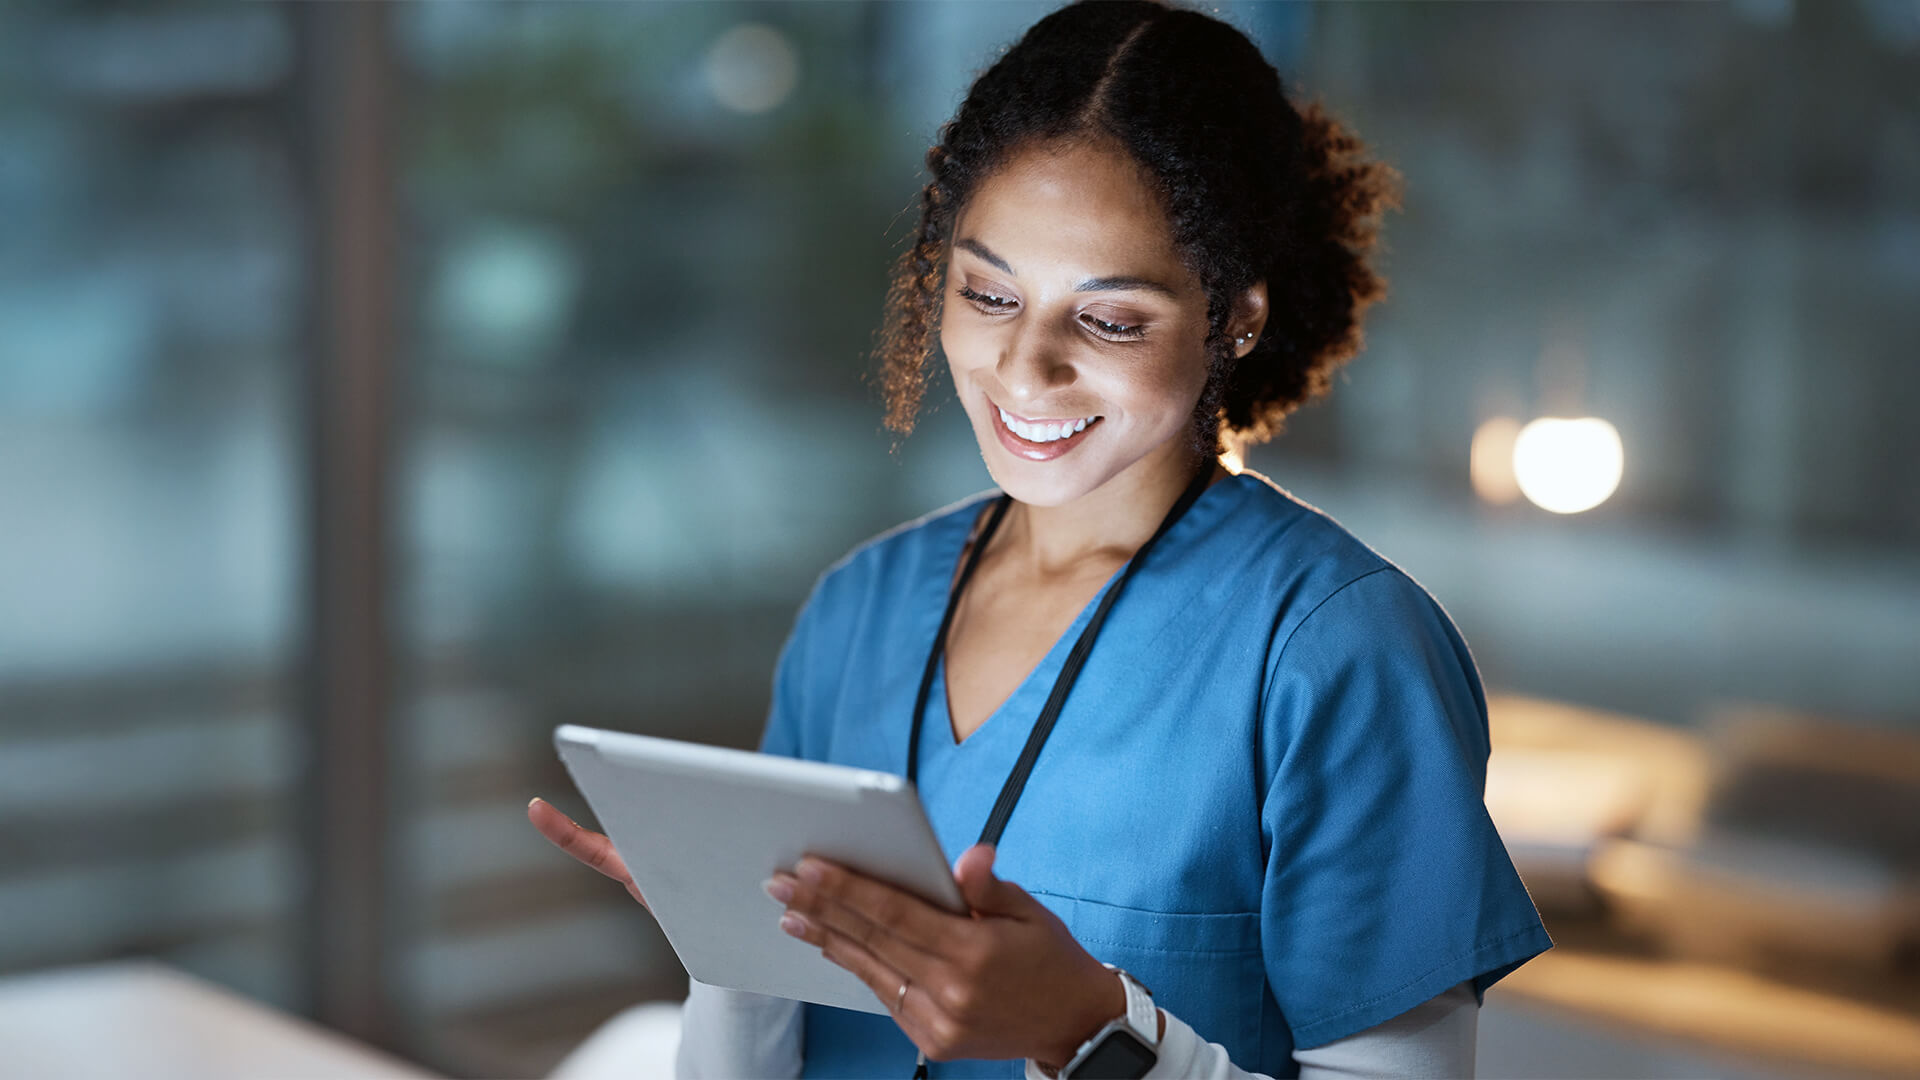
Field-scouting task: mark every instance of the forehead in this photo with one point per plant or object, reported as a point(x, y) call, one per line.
point(1075, 208)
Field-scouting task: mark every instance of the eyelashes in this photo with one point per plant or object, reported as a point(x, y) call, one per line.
point(986, 300)
point(1111, 331)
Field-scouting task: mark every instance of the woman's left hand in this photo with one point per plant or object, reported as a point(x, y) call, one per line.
point(1008, 981)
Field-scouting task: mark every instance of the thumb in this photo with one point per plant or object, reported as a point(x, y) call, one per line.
point(984, 893)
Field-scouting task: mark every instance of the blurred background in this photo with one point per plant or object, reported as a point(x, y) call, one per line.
point(382, 385)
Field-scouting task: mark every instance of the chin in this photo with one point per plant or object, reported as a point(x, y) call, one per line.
point(1044, 483)
point(1038, 483)
point(1041, 485)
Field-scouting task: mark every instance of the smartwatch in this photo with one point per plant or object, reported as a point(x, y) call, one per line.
point(1127, 1047)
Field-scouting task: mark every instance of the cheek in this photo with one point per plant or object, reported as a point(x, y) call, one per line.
point(959, 341)
point(1169, 384)
point(966, 349)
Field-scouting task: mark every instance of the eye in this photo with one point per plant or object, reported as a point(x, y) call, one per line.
point(986, 300)
point(1111, 331)
point(1116, 330)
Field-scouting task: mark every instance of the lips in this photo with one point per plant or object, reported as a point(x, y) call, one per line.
point(1036, 451)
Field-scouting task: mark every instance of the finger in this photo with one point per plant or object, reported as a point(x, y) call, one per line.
point(872, 907)
point(818, 910)
point(876, 938)
point(985, 893)
point(917, 1013)
point(583, 844)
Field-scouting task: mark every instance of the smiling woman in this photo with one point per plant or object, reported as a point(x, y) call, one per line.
point(1209, 769)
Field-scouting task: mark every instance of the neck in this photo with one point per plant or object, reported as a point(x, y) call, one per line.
point(1106, 525)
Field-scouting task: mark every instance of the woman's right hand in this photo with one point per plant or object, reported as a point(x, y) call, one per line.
point(583, 844)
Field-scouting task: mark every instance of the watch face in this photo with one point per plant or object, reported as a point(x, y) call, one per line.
point(1119, 1056)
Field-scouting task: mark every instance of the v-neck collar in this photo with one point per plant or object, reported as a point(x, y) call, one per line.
point(1052, 661)
point(947, 560)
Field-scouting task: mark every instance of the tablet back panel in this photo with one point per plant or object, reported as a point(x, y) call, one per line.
point(700, 827)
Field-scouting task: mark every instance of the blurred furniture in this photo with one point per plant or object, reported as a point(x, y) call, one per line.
point(1808, 851)
point(1772, 841)
point(140, 1018)
point(1654, 1017)
point(1565, 782)
point(1747, 892)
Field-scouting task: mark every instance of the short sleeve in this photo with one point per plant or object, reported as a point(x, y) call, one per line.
point(785, 708)
point(1386, 882)
point(802, 669)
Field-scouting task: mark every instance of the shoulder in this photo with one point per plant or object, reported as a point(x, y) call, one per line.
point(1292, 535)
point(1301, 557)
point(1326, 589)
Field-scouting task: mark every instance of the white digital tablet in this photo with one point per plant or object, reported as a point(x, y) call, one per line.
point(701, 827)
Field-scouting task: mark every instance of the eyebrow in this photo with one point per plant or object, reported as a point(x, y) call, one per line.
point(1099, 284)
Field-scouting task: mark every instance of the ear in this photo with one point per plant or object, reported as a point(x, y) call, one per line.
point(1249, 317)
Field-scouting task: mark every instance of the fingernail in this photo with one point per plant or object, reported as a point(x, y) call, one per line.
point(779, 890)
point(531, 801)
point(794, 923)
point(809, 871)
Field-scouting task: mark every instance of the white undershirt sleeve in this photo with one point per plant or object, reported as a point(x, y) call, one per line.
point(1434, 1039)
point(727, 1034)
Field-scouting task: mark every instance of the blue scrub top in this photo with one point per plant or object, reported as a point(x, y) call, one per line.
point(1264, 796)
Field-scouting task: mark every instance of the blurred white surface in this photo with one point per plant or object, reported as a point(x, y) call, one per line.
point(638, 1041)
point(144, 1019)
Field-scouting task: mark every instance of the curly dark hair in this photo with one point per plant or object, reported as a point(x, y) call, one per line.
point(1253, 188)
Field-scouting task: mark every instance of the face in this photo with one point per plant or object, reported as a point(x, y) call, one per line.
point(1074, 333)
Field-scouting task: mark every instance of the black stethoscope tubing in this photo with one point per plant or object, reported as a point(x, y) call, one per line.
point(1016, 781)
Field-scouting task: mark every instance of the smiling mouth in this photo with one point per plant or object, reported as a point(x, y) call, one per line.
point(1040, 440)
point(1041, 432)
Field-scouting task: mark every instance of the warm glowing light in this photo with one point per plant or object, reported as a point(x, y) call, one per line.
point(1567, 465)
point(1490, 461)
point(752, 68)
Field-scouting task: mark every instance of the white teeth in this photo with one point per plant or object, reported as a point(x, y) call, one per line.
point(1042, 433)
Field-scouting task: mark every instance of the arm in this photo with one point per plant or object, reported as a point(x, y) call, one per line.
point(1432, 1039)
point(1435, 1038)
point(1386, 881)
point(732, 1033)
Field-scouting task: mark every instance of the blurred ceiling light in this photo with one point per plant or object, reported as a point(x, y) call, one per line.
point(1490, 461)
point(752, 68)
point(504, 292)
point(1567, 465)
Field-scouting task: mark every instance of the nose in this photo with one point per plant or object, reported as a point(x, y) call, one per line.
point(1033, 365)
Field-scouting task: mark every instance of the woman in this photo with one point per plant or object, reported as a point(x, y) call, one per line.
point(1220, 744)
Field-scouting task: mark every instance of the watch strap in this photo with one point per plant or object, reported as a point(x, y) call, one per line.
point(1142, 1019)
point(1142, 1014)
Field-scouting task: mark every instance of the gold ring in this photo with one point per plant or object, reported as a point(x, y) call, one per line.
point(901, 998)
